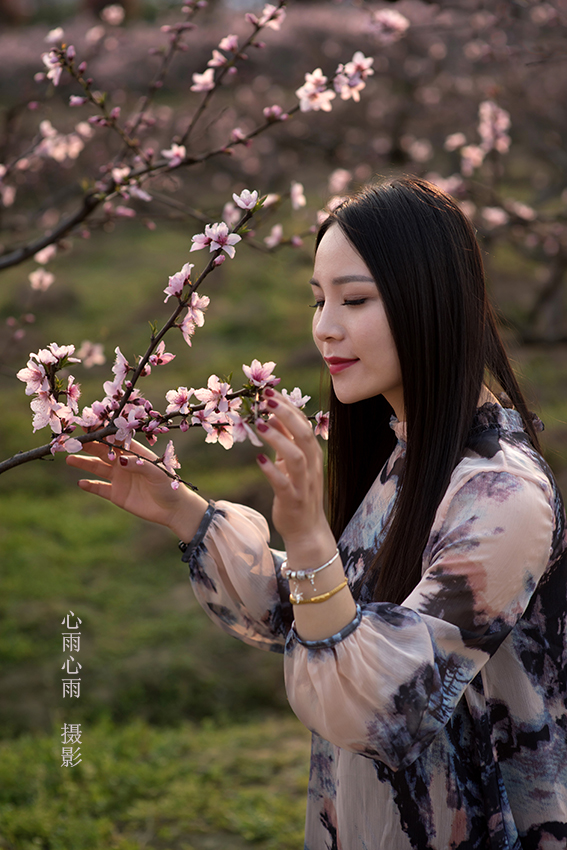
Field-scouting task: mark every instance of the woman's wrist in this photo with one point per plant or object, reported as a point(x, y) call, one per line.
point(184, 521)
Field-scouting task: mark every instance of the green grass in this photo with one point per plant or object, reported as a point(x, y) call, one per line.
point(197, 786)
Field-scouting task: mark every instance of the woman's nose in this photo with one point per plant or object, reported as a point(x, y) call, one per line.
point(326, 324)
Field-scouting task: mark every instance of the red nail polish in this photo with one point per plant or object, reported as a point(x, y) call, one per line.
point(123, 461)
point(272, 403)
point(269, 392)
point(261, 426)
point(262, 458)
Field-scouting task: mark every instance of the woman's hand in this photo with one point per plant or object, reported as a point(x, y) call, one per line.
point(296, 477)
point(143, 490)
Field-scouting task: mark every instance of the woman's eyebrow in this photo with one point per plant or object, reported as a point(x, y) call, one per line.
point(347, 278)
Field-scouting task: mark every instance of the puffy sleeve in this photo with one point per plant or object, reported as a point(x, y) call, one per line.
point(386, 685)
point(236, 576)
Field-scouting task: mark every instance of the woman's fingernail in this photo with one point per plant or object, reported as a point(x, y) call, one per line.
point(261, 426)
point(123, 461)
point(272, 403)
point(261, 458)
point(269, 391)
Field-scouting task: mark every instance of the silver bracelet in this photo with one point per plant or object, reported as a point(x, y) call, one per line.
point(300, 575)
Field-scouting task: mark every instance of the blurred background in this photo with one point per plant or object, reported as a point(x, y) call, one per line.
point(188, 741)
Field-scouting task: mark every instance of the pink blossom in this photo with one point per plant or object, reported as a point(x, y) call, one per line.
point(521, 210)
point(7, 195)
point(121, 366)
point(169, 459)
point(55, 36)
point(124, 212)
point(275, 237)
point(113, 15)
point(260, 374)
point(247, 200)
point(204, 81)
point(322, 426)
point(73, 393)
point(53, 64)
point(63, 443)
point(351, 78)
point(41, 279)
point(454, 141)
point(175, 154)
point(91, 354)
point(296, 397)
point(45, 409)
point(187, 328)
point(275, 113)
point(272, 17)
point(472, 156)
point(216, 236)
point(196, 308)
point(230, 214)
point(76, 100)
point(161, 357)
point(241, 431)
point(119, 175)
point(314, 94)
point(296, 195)
point(34, 376)
point(128, 426)
point(89, 419)
point(389, 26)
point(59, 352)
point(492, 127)
point(135, 191)
point(238, 135)
point(178, 281)
point(46, 254)
point(495, 216)
point(179, 400)
point(218, 261)
point(200, 240)
point(214, 396)
point(229, 43)
point(201, 417)
point(218, 60)
point(219, 430)
point(339, 180)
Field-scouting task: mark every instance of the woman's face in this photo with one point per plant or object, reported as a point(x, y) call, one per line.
point(350, 327)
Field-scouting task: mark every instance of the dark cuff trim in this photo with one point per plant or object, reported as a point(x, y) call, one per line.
point(326, 643)
point(188, 548)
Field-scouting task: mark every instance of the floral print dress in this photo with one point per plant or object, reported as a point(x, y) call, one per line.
point(440, 723)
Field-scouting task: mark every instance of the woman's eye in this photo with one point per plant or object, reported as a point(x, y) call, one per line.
point(352, 302)
point(317, 305)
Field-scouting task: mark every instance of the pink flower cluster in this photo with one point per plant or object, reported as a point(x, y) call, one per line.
point(215, 237)
point(349, 80)
point(494, 123)
point(389, 26)
point(39, 377)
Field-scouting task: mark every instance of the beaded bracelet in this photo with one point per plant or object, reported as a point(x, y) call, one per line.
point(299, 600)
point(300, 575)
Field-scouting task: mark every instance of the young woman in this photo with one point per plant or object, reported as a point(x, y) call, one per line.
point(428, 656)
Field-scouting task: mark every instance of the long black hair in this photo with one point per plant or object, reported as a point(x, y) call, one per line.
point(422, 252)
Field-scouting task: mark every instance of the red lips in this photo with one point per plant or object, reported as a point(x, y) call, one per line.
point(339, 364)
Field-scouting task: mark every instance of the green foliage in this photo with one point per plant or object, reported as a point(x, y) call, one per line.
point(197, 786)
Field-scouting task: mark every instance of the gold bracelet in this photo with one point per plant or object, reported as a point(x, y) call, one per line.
point(298, 599)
